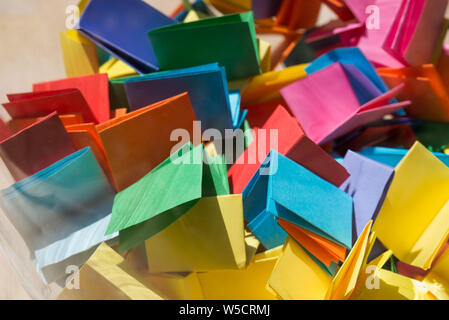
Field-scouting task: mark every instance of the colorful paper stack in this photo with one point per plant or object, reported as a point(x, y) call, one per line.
point(185, 157)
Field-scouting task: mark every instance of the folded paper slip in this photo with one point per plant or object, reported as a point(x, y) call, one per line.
point(116, 69)
point(5, 131)
point(191, 15)
point(140, 140)
point(264, 55)
point(186, 286)
point(415, 32)
point(324, 250)
point(35, 104)
point(334, 34)
point(207, 41)
point(344, 283)
point(209, 236)
point(418, 273)
point(414, 219)
point(79, 53)
point(415, 272)
point(265, 87)
point(16, 125)
point(183, 285)
point(206, 86)
point(437, 279)
point(349, 56)
point(36, 147)
point(94, 89)
point(165, 194)
point(42, 208)
point(107, 276)
point(392, 156)
point(380, 284)
point(85, 135)
point(282, 132)
point(176, 286)
point(296, 276)
point(245, 284)
point(309, 99)
point(368, 185)
point(381, 19)
point(121, 29)
point(424, 87)
point(317, 205)
point(259, 114)
point(388, 284)
point(411, 271)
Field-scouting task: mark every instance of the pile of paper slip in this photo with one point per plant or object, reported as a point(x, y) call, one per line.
point(185, 157)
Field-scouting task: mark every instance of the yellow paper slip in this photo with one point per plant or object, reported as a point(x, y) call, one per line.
point(414, 219)
point(345, 281)
point(265, 87)
point(265, 55)
point(251, 246)
point(209, 236)
point(79, 53)
point(246, 284)
point(106, 276)
point(368, 271)
point(437, 280)
point(375, 283)
point(116, 69)
point(186, 286)
point(386, 285)
point(177, 286)
point(193, 15)
point(82, 5)
point(173, 286)
point(297, 277)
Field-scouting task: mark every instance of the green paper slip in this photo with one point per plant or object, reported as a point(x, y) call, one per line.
point(162, 196)
point(229, 40)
